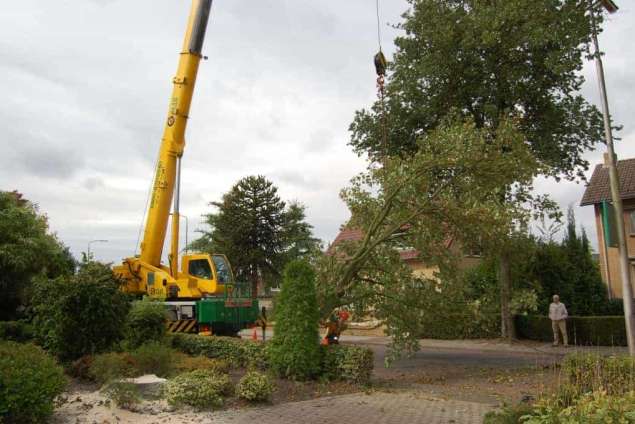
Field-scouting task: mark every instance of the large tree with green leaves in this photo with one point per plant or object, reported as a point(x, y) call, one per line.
point(27, 249)
point(448, 188)
point(257, 231)
point(487, 60)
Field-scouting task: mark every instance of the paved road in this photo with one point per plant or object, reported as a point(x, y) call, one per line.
point(376, 408)
point(458, 359)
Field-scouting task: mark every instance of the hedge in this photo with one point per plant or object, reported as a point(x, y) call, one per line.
point(338, 362)
point(16, 331)
point(351, 363)
point(593, 331)
point(462, 326)
point(235, 351)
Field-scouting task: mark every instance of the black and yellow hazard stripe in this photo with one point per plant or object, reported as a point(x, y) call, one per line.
point(182, 326)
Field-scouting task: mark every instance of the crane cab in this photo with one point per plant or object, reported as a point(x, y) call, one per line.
point(202, 275)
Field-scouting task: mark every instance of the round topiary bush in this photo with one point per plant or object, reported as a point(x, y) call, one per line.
point(145, 323)
point(294, 351)
point(202, 389)
point(30, 381)
point(255, 387)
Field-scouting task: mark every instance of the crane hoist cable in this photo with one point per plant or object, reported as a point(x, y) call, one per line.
point(380, 69)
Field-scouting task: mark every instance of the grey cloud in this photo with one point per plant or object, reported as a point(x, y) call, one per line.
point(298, 179)
point(92, 183)
point(320, 140)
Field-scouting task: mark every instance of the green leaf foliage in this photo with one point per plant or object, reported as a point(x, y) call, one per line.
point(236, 352)
point(486, 60)
point(350, 363)
point(82, 314)
point(255, 387)
point(146, 323)
point(487, 63)
point(202, 389)
point(108, 367)
point(27, 250)
point(30, 381)
point(294, 351)
point(17, 331)
point(448, 191)
point(123, 394)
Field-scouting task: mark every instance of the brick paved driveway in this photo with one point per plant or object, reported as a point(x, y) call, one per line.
point(375, 408)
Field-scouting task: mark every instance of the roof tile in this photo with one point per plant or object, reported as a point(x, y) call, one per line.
point(598, 189)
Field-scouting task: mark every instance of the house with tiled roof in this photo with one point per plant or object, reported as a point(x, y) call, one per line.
point(598, 195)
point(412, 257)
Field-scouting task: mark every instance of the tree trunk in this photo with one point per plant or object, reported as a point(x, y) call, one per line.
point(505, 278)
point(254, 283)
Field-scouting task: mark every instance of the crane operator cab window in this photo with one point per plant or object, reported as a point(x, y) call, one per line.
point(222, 269)
point(200, 268)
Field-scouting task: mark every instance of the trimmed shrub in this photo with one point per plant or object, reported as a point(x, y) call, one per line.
point(255, 387)
point(594, 331)
point(124, 395)
point(16, 331)
point(109, 367)
point(351, 363)
point(592, 372)
point(185, 363)
point(202, 389)
point(235, 352)
point(294, 351)
point(30, 381)
point(145, 323)
point(153, 358)
point(80, 315)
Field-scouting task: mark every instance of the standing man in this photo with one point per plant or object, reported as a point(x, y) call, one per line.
point(262, 322)
point(558, 315)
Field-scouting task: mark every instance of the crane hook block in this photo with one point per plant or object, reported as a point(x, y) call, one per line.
point(380, 64)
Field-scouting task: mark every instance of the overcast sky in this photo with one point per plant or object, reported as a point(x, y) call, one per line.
point(86, 84)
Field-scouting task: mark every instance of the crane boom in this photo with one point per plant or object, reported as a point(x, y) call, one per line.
point(200, 293)
point(173, 140)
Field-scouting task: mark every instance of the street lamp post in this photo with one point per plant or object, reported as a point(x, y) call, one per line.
point(611, 164)
point(91, 242)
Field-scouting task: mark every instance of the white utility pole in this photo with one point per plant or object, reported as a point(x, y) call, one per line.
point(611, 164)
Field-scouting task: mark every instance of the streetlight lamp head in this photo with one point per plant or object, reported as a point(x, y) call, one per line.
point(609, 5)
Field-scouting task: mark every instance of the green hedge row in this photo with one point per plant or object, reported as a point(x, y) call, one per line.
point(341, 362)
point(462, 326)
point(16, 331)
point(589, 331)
point(235, 351)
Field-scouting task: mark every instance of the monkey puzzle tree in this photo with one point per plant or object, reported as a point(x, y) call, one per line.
point(257, 231)
point(488, 60)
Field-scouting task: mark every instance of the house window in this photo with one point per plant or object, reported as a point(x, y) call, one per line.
point(631, 215)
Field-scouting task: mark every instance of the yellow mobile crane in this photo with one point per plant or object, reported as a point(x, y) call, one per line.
point(201, 295)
